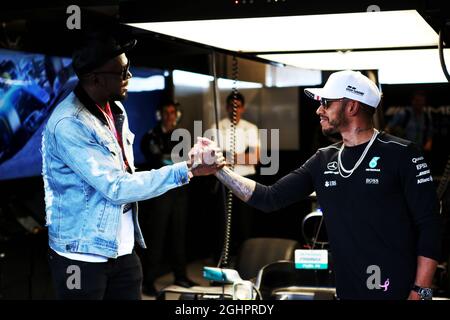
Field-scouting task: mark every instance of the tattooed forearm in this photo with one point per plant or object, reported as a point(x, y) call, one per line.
point(242, 187)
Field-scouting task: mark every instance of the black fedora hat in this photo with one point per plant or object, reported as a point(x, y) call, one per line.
point(96, 50)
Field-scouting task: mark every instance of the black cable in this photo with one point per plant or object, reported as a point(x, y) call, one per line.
point(219, 142)
point(223, 263)
point(441, 53)
point(216, 116)
point(216, 105)
point(445, 179)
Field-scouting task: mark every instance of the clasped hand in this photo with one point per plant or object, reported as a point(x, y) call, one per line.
point(205, 158)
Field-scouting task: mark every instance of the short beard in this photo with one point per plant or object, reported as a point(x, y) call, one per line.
point(119, 97)
point(335, 125)
point(329, 132)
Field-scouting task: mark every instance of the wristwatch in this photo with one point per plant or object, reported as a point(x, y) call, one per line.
point(424, 293)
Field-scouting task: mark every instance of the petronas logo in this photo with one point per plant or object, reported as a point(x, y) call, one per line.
point(374, 162)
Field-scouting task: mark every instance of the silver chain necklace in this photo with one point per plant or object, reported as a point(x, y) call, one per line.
point(361, 158)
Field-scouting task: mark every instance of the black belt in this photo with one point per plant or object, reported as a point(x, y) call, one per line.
point(127, 207)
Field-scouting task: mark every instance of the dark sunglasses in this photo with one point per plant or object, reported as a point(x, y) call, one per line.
point(123, 73)
point(327, 102)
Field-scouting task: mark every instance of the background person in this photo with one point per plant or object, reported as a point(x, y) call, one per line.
point(165, 220)
point(246, 157)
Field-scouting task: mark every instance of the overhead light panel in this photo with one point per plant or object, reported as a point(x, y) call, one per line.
point(289, 76)
point(395, 66)
point(192, 79)
point(383, 29)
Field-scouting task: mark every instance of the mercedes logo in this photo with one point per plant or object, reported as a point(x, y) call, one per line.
point(332, 166)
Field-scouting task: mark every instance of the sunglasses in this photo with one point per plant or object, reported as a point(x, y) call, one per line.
point(123, 74)
point(325, 103)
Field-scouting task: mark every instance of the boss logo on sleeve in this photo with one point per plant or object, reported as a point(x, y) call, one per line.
point(372, 181)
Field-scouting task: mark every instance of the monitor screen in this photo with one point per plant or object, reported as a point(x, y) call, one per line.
point(32, 84)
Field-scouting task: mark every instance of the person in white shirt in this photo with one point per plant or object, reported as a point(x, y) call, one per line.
point(246, 157)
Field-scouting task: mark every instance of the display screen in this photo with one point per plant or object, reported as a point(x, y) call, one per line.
point(31, 86)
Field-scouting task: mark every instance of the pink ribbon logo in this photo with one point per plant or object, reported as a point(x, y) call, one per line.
point(385, 285)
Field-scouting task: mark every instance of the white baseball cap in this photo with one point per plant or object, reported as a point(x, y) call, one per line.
point(348, 84)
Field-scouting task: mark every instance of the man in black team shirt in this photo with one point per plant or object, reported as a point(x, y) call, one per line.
point(376, 193)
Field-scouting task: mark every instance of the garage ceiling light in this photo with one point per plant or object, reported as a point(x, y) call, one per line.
point(395, 66)
point(383, 29)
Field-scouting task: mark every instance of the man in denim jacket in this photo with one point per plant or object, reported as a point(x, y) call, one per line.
point(91, 187)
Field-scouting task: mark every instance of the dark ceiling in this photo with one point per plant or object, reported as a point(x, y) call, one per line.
point(41, 27)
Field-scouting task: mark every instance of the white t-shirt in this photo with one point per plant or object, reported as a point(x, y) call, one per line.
point(126, 242)
point(246, 137)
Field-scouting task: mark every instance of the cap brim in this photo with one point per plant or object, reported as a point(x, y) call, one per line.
point(318, 93)
point(123, 48)
point(128, 45)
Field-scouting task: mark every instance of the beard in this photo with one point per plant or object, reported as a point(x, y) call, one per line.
point(335, 124)
point(119, 97)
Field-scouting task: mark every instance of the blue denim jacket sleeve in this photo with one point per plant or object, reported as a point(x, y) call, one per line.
point(77, 146)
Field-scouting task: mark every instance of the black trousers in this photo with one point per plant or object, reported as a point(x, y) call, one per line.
point(116, 279)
